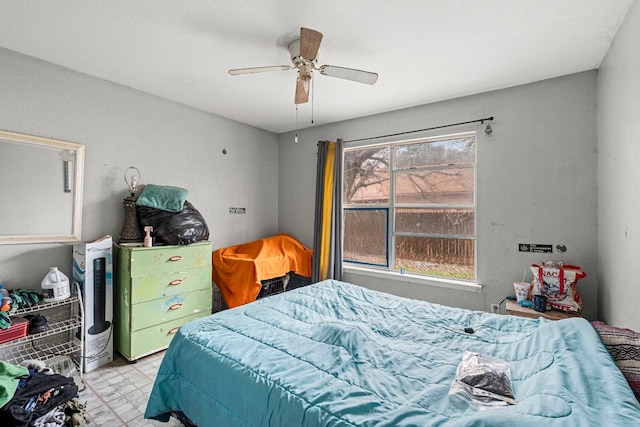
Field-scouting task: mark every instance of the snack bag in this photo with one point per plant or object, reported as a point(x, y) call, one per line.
point(557, 282)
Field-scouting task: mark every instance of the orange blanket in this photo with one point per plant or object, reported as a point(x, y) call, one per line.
point(238, 270)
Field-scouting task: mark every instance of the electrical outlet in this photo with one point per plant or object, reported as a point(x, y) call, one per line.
point(495, 308)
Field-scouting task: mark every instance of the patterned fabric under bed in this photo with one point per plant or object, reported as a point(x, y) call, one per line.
point(336, 354)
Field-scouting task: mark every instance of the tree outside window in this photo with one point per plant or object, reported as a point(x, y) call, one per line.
point(410, 206)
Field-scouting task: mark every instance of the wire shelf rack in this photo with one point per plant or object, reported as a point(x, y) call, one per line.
point(52, 329)
point(62, 337)
point(44, 306)
point(40, 350)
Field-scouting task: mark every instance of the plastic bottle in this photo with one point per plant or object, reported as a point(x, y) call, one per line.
point(148, 240)
point(55, 286)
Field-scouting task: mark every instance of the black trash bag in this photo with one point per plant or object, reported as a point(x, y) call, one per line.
point(174, 228)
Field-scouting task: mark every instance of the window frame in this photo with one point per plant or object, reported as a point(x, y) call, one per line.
point(386, 211)
point(392, 207)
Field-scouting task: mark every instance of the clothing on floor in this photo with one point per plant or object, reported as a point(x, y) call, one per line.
point(76, 413)
point(9, 378)
point(41, 394)
point(53, 418)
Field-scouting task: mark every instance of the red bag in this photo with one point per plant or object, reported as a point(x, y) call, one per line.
point(557, 282)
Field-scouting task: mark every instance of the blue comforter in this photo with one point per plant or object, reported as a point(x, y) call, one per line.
point(336, 354)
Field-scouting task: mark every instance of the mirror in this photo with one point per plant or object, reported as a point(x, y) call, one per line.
point(40, 189)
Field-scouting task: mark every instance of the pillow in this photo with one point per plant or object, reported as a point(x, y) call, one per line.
point(624, 346)
point(163, 197)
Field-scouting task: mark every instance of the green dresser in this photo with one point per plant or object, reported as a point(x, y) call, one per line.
point(157, 290)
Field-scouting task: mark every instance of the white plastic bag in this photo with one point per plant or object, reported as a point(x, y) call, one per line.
point(483, 381)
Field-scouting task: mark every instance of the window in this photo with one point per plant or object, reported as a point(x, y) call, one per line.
point(410, 206)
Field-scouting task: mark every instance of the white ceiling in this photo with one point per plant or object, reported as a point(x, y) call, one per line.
point(423, 50)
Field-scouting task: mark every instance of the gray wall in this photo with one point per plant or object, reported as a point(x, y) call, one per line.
point(619, 177)
point(536, 182)
point(169, 143)
point(536, 174)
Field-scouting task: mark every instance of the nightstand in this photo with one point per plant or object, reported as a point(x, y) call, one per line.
point(513, 308)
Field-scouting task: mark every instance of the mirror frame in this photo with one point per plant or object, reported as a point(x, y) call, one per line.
point(78, 175)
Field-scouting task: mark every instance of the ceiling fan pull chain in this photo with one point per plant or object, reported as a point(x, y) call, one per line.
point(313, 95)
point(296, 137)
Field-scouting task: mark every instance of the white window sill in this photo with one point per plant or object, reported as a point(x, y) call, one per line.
point(416, 279)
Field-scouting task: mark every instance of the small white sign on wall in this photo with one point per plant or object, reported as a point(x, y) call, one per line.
point(535, 248)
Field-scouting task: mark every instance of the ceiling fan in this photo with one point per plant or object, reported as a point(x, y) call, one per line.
point(304, 56)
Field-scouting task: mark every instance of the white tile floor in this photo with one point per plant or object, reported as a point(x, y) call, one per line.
point(116, 394)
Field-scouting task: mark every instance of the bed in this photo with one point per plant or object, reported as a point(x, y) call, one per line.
point(336, 354)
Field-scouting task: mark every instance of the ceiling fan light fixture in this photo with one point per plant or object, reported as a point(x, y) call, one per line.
point(294, 52)
point(303, 53)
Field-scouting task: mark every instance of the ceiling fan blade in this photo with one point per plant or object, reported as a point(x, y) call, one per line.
point(302, 89)
point(349, 74)
point(238, 71)
point(309, 43)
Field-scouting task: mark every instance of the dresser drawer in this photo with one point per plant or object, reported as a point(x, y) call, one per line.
point(168, 259)
point(162, 310)
point(157, 337)
point(155, 286)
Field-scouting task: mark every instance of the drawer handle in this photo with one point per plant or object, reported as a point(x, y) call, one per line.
point(175, 306)
point(175, 282)
point(173, 330)
point(175, 258)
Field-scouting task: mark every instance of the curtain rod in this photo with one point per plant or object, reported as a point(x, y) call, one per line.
point(488, 119)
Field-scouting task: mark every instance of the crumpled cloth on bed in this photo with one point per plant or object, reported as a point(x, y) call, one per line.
point(238, 270)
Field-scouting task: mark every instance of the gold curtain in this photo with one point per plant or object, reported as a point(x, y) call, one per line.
point(327, 246)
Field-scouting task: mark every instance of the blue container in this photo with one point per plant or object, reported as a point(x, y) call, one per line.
point(540, 303)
